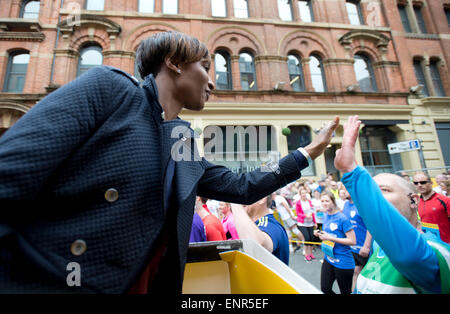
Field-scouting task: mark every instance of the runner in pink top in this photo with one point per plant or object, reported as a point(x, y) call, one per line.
point(228, 221)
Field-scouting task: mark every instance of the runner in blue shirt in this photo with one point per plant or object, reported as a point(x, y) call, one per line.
point(337, 234)
point(256, 222)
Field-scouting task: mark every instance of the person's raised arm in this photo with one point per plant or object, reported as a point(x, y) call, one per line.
point(218, 182)
point(401, 242)
point(247, 229)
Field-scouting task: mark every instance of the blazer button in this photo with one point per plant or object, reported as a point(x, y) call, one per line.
point(111, 195)
point(78, 247)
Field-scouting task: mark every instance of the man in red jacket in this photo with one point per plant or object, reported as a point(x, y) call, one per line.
point(434, 208)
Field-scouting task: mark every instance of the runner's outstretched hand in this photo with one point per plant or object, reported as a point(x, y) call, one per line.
point(345, 156)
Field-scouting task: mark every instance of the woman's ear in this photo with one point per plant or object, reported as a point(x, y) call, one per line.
point(171, 66)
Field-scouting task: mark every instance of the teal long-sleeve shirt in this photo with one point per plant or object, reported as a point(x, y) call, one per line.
point(404, 245)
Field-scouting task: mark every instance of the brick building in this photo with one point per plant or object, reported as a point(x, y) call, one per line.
point(288, 65)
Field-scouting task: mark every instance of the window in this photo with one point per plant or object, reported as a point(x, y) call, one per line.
point(95, 5)
point(219, 8)
point(300, 137)
point(420, 21)
point(447, 14)
point(420, 76)
point(16, 72)
point(317, 74)
point(146, 6)
point(404, 18)
point(364, 73)
point(247, 70)
point(222, 64)
point(285, 10)
point(90, 57)
point(170, 7)
point(436, 79)
point(30, 9)
point(376, 158)
point(295, 73)
point(354, 12)
point(305, 11)
point(240, 8)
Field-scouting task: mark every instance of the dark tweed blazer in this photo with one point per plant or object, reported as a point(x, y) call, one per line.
point(81, 180)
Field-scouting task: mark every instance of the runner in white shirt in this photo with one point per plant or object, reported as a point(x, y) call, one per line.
point(286, 215)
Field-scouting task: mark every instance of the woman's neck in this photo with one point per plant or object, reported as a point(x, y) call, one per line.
point(169, 104)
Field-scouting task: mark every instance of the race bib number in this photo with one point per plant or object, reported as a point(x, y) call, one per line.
point(327, 248)
point(433, 228)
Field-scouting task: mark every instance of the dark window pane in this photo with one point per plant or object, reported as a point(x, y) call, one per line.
point(436, 78)
point(16, 73)
point(247, 69)
point(295, 73)
point(222, 66)
point(404, 18)
point(418, 71)
point(420, 20)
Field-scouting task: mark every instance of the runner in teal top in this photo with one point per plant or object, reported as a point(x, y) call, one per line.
point(407, 260)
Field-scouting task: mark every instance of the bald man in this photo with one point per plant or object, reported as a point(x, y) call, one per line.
point(405, 260)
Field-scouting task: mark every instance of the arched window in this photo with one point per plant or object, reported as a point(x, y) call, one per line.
point(436, 79)
point(218, 8)
point(354, 12)
point(295, 73)
point(247, 70)
point(285, 10)
point(364, 73)
point(30, 9)
point(95, 5)
point(146, 6)
point(16, 72)
point(90, 57)
point(317, 74)
point(170, 7)
point(420, 76)
point(222, 65)
point(240, 8)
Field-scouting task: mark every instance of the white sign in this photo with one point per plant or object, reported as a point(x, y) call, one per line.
point(401, 147)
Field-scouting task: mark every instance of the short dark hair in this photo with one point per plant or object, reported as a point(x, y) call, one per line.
point(179, 47)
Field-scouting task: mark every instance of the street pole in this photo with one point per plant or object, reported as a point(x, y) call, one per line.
point(422, 159)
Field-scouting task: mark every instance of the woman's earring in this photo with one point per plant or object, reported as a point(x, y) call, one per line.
point(179, 71)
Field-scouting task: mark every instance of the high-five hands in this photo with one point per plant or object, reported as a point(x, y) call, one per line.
point(320, 143)
point(345, 156)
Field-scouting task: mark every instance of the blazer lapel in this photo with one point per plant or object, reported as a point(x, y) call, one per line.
point(178, 144)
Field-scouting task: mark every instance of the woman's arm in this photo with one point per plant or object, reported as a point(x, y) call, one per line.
point(350, 237)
